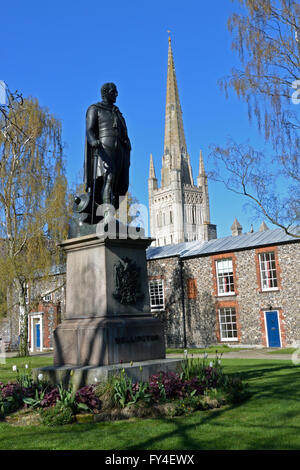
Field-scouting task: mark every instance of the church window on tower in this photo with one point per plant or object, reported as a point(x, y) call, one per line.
point(159, 219)
point(194, 215)
point(171, 217)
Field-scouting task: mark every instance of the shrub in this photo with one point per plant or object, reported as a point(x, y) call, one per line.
point(166, 385)
point(125, 392)
point(214, 397)
point(122, 386)
point(236, 391)
point(105, 392)
point(195, 402)
point(192, 367)
point(193, 387)
point(209, 376)
point(24, 379)
point(35, 401)
point(140, 392)
point(57, 415)
point(178, 408)
point(121, 391)
point(87, 396)
point(50, 397)
point(67, 399)
point(10, 398)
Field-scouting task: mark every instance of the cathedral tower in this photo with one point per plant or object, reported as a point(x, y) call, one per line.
point(179, 210)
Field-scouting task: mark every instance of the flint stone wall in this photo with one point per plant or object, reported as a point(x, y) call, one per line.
point(201, 312)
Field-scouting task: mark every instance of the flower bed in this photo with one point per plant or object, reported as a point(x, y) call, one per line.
point(196, 386)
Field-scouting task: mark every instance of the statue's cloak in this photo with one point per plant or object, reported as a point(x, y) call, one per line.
point(124, 144)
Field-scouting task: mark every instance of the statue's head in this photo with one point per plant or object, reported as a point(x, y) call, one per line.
point(109, 92)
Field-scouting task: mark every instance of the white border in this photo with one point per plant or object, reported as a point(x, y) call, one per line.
point(220, 330)
point(34, 316)
point(164, 297)
point(224, 294)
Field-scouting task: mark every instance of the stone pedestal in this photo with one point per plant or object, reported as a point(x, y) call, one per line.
point(77, 377)
point(108, 319)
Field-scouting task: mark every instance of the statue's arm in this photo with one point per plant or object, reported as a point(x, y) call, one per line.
point(92, 126)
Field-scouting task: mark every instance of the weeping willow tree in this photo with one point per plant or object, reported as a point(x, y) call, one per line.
point(33, 202)
point(266, 38)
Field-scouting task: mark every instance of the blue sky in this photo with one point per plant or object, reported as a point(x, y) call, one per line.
point(62, 52)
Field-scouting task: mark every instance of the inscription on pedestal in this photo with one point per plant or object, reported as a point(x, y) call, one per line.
point(137, 339)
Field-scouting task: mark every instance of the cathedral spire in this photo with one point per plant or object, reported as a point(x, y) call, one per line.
point(178, 209)
point(151, 169)
point(175, 150)
point(201, 165)
point(202, 183)
point(202, 177)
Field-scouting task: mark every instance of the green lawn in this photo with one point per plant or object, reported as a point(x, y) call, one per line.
point(270, 419)
point(282, 351)
point(210, 350)
point(223, 349)
point(6, 372)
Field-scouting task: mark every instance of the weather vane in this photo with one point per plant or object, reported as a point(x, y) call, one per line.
point(169, 32)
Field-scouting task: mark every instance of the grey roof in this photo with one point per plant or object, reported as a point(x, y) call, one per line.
point(219, 245)
point(170, 250)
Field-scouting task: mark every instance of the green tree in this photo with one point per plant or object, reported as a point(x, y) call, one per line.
point(33, 200)
point(266, 37)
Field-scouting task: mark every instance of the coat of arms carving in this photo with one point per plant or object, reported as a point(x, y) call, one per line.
point(127, 282)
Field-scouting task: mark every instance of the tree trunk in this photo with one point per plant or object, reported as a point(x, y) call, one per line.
point(23, 345)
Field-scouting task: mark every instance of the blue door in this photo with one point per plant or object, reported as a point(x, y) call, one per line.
point(273, 329)
point(37, 335)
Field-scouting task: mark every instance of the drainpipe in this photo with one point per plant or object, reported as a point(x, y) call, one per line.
point(180, 262)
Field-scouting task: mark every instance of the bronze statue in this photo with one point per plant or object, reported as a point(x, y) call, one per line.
point(106, 160)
